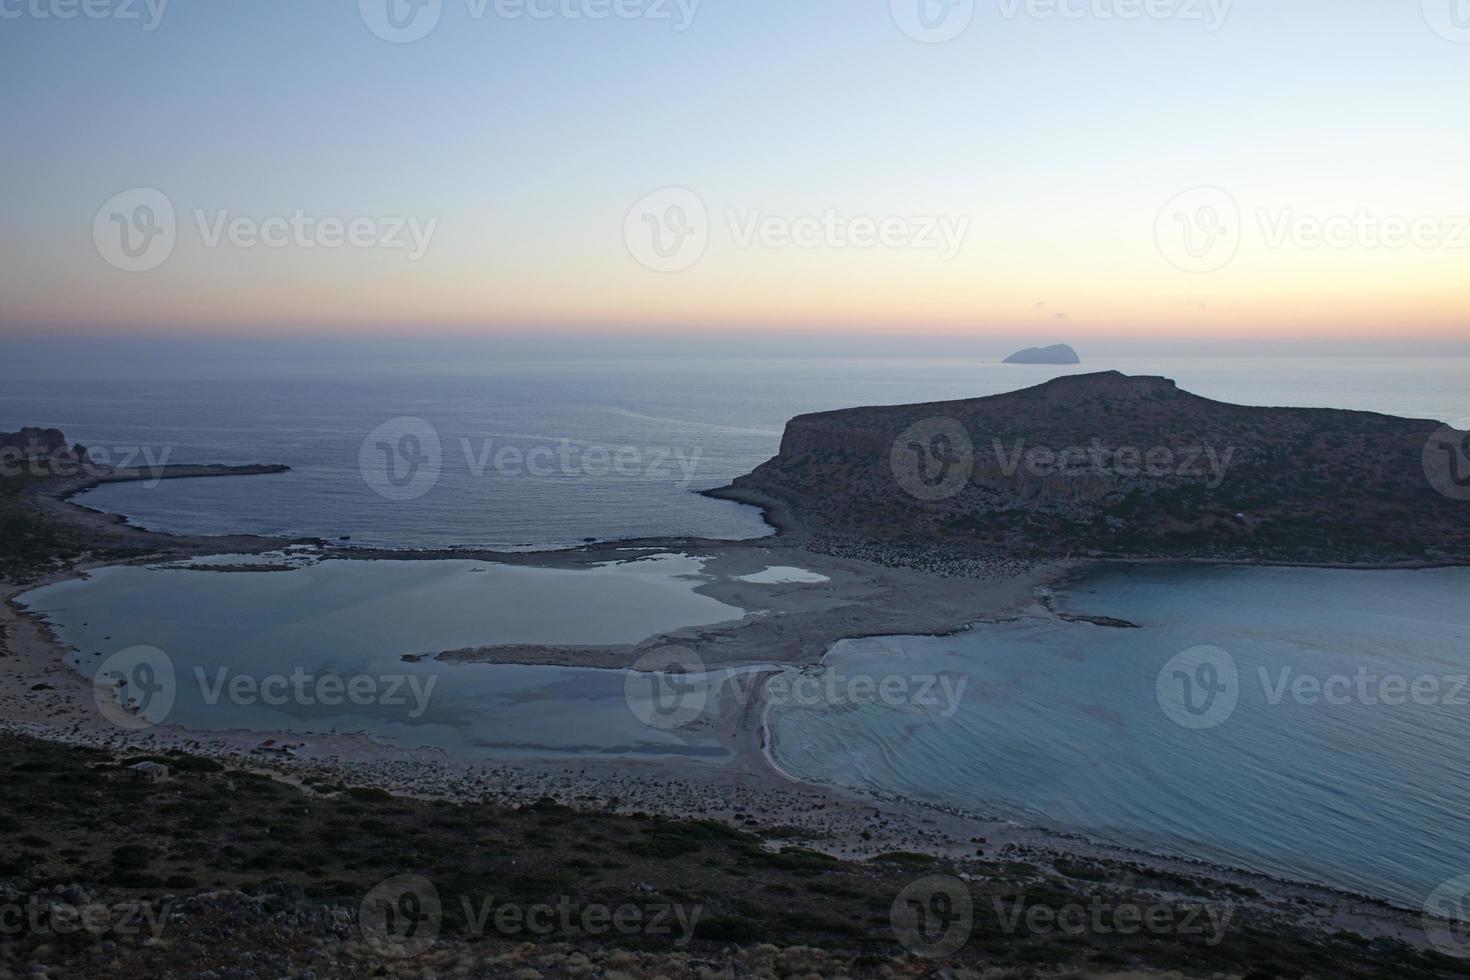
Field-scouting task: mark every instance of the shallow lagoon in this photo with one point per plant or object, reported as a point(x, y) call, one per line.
point(356, 619)
point(1059, 724)
point(1065, 725)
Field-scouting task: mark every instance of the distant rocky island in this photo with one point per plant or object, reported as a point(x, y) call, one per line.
point(1100, 465)
point(1055, 354)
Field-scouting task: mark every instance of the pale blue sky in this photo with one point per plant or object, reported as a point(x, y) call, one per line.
point(529, 139)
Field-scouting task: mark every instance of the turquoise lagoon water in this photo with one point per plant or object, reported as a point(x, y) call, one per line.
point(356, 619)
point(1064, 724)
point(1056, 724)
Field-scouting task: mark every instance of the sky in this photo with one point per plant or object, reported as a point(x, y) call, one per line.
point(1064, 169)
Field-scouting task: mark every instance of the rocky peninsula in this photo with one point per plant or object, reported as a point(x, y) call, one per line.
point(1109, 465)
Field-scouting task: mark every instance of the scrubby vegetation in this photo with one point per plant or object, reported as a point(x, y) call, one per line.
point(234, 862)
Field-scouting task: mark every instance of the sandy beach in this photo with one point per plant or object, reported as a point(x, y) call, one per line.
point(791, 624)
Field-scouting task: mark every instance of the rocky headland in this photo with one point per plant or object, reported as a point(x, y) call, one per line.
point(1108, 465)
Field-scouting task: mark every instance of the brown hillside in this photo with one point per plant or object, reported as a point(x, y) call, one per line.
point(1112, 464)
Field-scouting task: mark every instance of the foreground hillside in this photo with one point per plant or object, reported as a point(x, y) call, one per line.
point(226, 873)
point(1109, 464)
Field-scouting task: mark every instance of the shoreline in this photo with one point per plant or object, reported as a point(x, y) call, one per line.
point(750, 783)
point(750, 775)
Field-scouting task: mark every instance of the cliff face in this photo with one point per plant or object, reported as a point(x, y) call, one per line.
point(1110, 464)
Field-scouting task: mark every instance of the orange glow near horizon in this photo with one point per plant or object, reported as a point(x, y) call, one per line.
point(1068, 290)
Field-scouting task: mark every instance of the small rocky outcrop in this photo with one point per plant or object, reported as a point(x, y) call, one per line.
point(1055, 354)
point(33, 442)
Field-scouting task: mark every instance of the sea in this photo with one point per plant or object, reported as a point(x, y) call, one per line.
point(1335, 751)
point(1072, 726)
point(524, 451)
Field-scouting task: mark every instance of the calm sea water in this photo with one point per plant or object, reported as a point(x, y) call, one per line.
point(1062, 725)
point(281, 633)
point(1363, 784)
point(603, 448)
